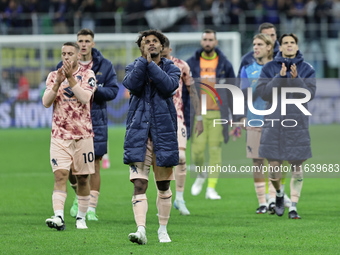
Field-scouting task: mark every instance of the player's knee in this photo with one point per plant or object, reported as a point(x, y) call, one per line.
point(163, 185)
point(82, 180)
point(140, 186)
point(61, 176)
point(182, 158)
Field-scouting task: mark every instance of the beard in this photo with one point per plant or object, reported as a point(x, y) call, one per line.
point(208, 51)
point(154, 55)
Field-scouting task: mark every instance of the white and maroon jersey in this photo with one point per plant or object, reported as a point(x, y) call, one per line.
point(86, 66)
point(185, 76)
point(71, 118)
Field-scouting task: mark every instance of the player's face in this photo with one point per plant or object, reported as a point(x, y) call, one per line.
point(261, 49)
point(153, 45)
point(288, 47)
point(70, 53)
point(86, 44)
point(208, 42)
point(271, 32)
point(166, 53)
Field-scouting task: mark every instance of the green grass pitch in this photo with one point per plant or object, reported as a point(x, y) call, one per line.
point(228, 226)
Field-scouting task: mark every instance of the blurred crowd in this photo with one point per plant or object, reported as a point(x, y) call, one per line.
point(222, 15)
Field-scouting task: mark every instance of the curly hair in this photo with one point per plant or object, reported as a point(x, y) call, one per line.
point(154, 32)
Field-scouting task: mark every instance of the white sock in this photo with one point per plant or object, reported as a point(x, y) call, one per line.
point(279, 194)
point(283, 188)
point(292, 208)
point(91, 209)
point(141, 229)
point(263, 205)
point(162, 228)
point(59, 213)
point(179, 195)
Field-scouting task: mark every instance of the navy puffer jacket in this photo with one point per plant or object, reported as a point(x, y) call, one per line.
point(279, 142)
point(107, 90)
point(151, 111)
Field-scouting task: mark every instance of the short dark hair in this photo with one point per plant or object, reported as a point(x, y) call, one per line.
point(210, 31)
point(86, 31)
point(166, 43)
point(296, 39)
point(75, 45)
point(154, 32)
point(266, 25)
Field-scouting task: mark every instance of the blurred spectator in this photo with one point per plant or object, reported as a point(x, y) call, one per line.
point(23, 86)
point(235, 11)
point(6, 86)
point(88, 11)
point(108, 20)
point(271, 11)
point(12, 16)
point(135, 13)
point(59, 17)
point(220, 11)
point(322, 16)
point(3, 26)
point(73, 13)
point(336, 14)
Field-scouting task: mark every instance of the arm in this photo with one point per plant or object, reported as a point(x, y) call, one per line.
point(267, 82)
point(167, 81)
point(109, 90)
point(308, 82)
point(83, 95)
point(135, 75)
point(52, 87)
point(190, 84)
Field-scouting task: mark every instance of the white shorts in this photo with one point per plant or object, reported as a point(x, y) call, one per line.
point(80, 153)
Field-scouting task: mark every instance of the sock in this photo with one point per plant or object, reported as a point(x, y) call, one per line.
point(295, 188)
point(279, 193)
point(74, 187)
point(59, 213)
point(58, 201)
point(260, 188)
point(164, 206)
point(140, 208)
point(93, 199)
point(162, 228)
point(179, 195)
point(293, 207)
point(283, 186)
point(272, 192)
point(141, 229)
point(212, 182)
point(180, 175)
point(83, 204)
point(92, 209)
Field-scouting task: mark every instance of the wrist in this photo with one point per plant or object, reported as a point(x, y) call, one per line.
point(199, 118)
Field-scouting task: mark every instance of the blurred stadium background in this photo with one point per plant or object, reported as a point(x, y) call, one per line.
point(32, 32)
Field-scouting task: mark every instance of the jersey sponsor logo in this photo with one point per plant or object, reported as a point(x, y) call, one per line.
point(92, 82)
point(68, 92)
point(254, 72)
point(54, 162)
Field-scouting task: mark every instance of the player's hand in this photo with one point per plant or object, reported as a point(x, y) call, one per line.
point(293, 71)
point(67, 68)
point(60, 76)
point(199, 128)
point(283, 71)
point(142, 48)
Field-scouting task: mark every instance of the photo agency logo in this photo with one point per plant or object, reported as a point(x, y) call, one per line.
point(239, 103)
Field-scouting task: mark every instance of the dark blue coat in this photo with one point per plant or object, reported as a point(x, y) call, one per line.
point(278, 142)
point(107, 90)
point(248, 58)
point(224, 74)
point(151, 111)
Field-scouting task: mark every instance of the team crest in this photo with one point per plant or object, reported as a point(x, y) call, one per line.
point(92, 82)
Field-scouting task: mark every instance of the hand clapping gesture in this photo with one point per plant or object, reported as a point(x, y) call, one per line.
point(145, 53)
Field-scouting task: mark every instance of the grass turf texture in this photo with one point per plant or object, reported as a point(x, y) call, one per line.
point(228, 226)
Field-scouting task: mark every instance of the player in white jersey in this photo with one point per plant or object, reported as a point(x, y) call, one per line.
point(180, 169)
point(70, 89)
